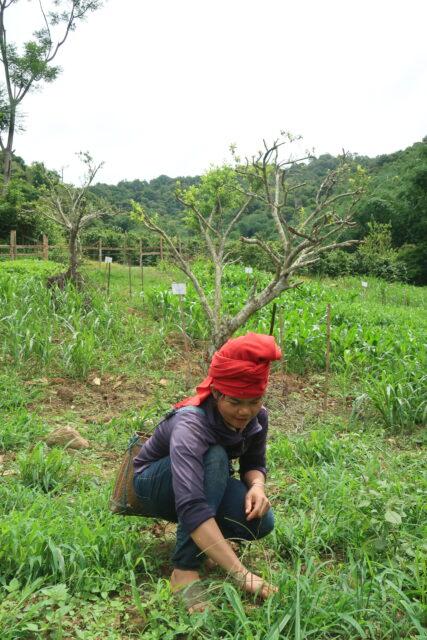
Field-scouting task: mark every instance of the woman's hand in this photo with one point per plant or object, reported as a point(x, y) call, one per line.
point(254, 584)
point(256, 502)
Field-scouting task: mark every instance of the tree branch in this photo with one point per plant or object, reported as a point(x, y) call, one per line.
point(260, 243)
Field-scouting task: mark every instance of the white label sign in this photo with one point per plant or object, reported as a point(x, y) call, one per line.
point(248, 269)
point(179, 288)
point(364, 284)
point(107, 259)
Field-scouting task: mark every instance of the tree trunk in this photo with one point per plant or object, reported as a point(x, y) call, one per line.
point(8, 150)
point(74, 258)
point(221, 332)
point(7, 167)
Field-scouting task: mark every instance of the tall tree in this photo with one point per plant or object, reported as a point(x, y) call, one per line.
point(223, 198)
point(25, 70)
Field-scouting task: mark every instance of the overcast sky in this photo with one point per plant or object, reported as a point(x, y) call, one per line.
point(164, 87)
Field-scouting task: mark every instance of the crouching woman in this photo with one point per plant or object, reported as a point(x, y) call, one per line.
point(184, 473)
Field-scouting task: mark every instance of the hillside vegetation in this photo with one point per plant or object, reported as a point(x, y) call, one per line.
point(396, 198)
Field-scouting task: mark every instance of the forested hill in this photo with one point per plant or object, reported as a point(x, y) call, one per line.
point(157, 195)
point(396, 196)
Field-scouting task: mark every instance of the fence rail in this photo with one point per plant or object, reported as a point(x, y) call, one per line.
point(15, 250)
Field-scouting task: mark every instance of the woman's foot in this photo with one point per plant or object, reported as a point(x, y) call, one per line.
point(188, 586)
point(180, 578)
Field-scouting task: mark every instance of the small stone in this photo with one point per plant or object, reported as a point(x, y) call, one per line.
point(65, 394)
point(66, 437)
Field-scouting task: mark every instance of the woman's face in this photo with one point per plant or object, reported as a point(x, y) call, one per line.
point(237, 412)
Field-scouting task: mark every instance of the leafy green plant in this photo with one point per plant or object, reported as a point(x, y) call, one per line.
point(44, 468)
point(400, 400)
point(19, 427)
point(18, 615)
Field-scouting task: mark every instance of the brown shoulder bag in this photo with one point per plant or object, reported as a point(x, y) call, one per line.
point(124, 500)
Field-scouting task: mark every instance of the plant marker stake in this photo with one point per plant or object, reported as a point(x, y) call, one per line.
point(281, 347)
point(108, 261)
point(141, 266)
point(130, 279)
point(186, 345)
point(273, 317)
point(281, 335)
point(328, 352)
point(180, 290)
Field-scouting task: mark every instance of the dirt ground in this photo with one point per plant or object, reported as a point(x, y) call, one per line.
point(292, 400)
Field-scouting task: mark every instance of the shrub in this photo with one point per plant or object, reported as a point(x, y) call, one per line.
point(414, 259)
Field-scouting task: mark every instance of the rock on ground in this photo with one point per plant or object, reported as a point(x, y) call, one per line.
point(66, 437)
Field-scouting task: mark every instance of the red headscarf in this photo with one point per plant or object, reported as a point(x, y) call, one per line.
point(239, 369)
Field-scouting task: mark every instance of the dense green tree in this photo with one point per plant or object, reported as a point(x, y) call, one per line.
point(24, 70)
point(20, 198)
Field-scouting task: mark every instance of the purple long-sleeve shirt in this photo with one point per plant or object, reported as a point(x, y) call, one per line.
point(186, 436)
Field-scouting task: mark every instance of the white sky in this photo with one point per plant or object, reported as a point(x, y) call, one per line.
point(157, 87)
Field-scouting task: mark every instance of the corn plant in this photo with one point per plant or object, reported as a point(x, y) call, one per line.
point(399, 397)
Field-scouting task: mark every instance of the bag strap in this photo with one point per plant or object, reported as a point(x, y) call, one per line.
point(191, 408)
point(173, 411)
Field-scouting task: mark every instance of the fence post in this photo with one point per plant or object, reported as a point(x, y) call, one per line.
point(161, 248)
point(100, 252)
point(13, 245)
point(125, 244)
point(45, 247)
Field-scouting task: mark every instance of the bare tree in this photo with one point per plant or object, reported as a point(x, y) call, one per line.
point(223, 198)
point(23, 72)
point(73, 208)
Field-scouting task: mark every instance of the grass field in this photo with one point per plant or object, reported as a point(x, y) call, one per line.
point(347, 475)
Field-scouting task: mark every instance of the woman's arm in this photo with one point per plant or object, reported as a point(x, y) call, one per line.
point(209, 538)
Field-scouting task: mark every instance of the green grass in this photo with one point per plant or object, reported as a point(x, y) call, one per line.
point(47, 329)
point(349, 549)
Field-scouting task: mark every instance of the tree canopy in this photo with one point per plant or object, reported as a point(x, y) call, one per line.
point(27, 66)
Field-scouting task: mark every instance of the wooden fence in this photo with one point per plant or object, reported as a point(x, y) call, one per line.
point(14, 250)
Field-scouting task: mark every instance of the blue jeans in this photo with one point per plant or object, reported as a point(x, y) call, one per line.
point(225, 495)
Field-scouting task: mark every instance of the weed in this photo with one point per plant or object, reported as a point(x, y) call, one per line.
point(19, 427)
point(46, 469)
